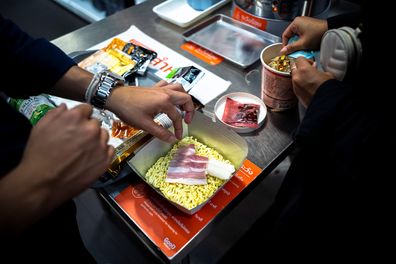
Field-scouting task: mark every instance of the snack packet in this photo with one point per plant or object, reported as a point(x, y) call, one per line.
point(34, 108)
point(240, 114)
point(186, 76)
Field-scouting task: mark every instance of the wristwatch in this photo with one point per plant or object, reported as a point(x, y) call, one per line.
point(106, 83)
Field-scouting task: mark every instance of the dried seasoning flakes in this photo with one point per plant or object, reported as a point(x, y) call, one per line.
point(240, 114)
point(281, 63)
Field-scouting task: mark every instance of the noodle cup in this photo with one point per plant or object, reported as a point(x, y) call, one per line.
point(276, 86)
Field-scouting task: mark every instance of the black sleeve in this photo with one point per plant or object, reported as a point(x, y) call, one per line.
point(30, 66)
point(350, 19)
point(330, 99)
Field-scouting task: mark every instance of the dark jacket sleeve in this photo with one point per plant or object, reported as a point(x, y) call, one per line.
point(330, 99)
point(351, 19)
point(30, 66)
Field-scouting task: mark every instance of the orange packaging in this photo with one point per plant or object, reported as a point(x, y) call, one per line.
point(169, 228)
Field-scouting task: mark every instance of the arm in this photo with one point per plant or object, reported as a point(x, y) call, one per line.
point(32, 66)
point(65, 153)
point(134, 105)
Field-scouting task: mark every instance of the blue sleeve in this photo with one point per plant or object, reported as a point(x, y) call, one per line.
point(30, 66)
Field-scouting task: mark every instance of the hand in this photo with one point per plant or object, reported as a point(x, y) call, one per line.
point(307, 79)
point(310, 31)
point(139, 105)
point(69, 150)
point(65, 153)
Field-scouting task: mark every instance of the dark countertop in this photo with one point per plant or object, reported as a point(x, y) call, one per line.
point(103, 234)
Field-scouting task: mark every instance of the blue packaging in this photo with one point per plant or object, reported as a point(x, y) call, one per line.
point(202, 4)
point(308, 54)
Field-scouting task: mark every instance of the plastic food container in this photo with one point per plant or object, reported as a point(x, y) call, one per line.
point(215, 135)
point(201, 4)
point(179, 12)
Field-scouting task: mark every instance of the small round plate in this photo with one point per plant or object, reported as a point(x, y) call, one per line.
point(242, 98)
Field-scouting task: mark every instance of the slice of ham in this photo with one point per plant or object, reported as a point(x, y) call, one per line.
point(186, 167)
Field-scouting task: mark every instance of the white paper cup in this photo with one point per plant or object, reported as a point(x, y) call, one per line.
point(276, 86)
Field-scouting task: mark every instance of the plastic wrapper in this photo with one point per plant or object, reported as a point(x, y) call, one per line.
point(186, 76)
point(240, 114)
point(34, 107)
point(120, 57)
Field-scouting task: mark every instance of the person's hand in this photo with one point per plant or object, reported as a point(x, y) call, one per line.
point(310, 31)
point(65, 153)
point(307, 79)
point(68, 150)
point(138, 106)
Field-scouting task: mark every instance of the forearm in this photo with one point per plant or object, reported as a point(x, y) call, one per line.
point(22, 201)
point(331, 100)
point(73, 84)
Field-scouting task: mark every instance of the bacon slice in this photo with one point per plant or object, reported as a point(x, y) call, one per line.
point(186, 167)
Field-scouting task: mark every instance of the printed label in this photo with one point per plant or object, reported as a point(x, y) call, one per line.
point(166, 226)
point(245, 17)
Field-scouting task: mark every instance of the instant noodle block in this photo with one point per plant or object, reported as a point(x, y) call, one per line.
point(213, 140)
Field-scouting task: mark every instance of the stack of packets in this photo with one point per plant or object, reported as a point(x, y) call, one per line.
point(120, 57)
point(129, 60)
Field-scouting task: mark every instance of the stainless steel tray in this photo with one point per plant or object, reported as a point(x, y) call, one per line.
point(231, 39)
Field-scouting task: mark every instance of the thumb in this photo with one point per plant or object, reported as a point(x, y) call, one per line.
point(292, 47)
point(158, 131)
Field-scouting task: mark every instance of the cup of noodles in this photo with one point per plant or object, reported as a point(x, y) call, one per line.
point(276, 84)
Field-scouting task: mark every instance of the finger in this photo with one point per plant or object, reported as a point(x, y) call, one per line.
point(104, 136)
point(84, 109)
point(52, 115)
point(161, 83)
point(292, 47)
point(158, 131)
point(176, 87)
point(293, 66)
point(189, 117)
point(182, 98)
point(302, 62)
point(176, 118)
point(288, 33)
point(185, 101)
point(110, 154)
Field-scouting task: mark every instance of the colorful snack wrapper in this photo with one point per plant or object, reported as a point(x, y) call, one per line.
point(186, 76)
point(120, 57)
point(140, 55)
point(112, 60)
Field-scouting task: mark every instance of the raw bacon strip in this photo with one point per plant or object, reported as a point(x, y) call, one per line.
point(186, 167)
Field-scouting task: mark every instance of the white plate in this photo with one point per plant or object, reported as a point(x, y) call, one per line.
point(181, 13)
point(241, 98)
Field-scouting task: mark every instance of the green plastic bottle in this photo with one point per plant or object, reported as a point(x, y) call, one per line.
point(34, 108)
